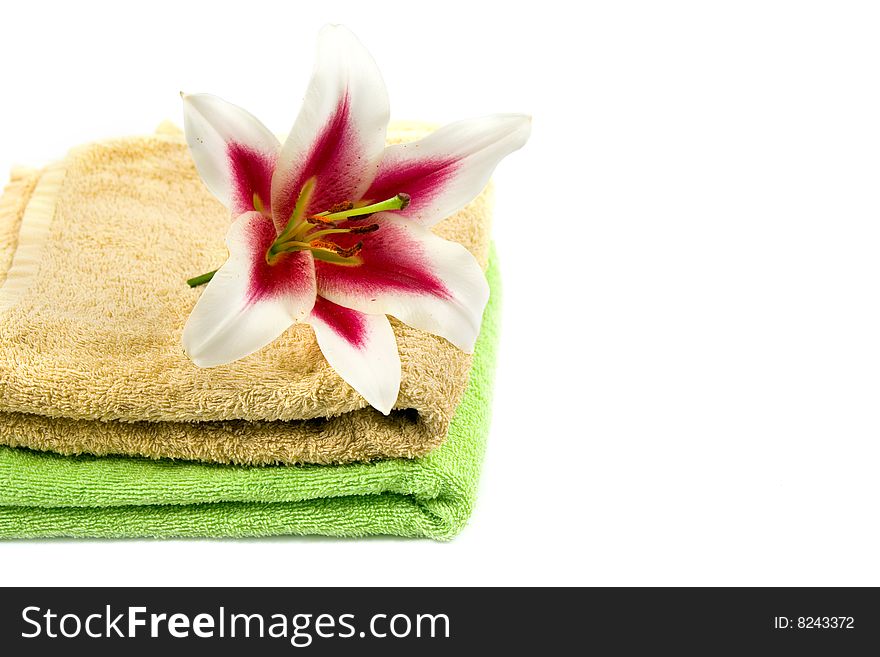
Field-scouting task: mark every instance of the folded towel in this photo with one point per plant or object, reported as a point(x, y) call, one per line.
point(94, 253)
point(44, 494)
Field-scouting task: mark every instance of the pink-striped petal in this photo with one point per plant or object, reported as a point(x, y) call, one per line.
point(408, 272)
point(234, 153)
point(448, 169)
point(362, 349)
point(339, 135)
point(249, 303)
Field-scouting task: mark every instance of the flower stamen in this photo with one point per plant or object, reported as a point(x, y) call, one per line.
point(335, 248)
point(296, 236)
point(354, 230)
point(360, 230)
point(296, 218)
point(341, 207)
point(319, 221)
point(333, 253)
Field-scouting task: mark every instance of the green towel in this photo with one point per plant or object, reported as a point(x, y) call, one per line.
point(44, 494)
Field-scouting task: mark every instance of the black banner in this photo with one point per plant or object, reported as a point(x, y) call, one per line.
point(419, 621)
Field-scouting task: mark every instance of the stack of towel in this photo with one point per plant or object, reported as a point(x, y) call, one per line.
point(107, 428)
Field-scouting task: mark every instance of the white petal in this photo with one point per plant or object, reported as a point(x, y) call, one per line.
point(249, 303)
point(409, 272)
point(234, 153)
point(448, 169)
point(339, 135)
point(362, 349)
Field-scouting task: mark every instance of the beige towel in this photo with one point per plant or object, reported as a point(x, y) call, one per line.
point(94, 254)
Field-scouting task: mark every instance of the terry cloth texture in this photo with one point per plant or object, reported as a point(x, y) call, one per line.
point(94, 254)
point(45, 495)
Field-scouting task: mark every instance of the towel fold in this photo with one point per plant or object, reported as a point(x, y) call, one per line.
point(94, 254)
point(47, 495)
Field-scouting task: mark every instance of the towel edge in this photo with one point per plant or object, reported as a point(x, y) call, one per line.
point(33, 232)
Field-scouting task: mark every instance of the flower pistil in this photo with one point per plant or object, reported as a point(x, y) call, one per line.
point(311, 233)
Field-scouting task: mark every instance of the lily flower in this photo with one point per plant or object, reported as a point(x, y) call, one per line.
point(333, 229)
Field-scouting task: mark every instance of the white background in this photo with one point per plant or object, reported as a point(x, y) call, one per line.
point(690, 374)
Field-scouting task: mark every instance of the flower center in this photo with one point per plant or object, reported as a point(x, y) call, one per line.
point(316, 232)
